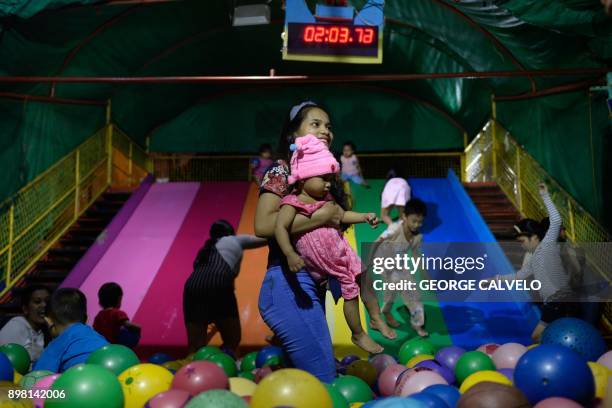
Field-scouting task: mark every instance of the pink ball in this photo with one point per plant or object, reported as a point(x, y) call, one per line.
point(169, 399)
point(200, 376)
point(382, 361)
point(488, 348)
point(556, 402)
point(43, 384)
point(507, 356)
point(388, 378)
point(606, 359)
point(261, 373)
point(417, 382)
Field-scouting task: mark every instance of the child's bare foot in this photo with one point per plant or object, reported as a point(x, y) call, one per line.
point(421, 332)
point(365, 342)
point(391, 320)
point(381, 326)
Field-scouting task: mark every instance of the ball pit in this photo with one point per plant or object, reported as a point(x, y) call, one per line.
point(291, 387)
point(143, 381)
point(577, 335)
point(18, 356)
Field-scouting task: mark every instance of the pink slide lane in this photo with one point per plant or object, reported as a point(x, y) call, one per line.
point(161, 312)
point(136, 255)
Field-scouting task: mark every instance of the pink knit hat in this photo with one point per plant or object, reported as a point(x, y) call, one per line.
point(311, 158)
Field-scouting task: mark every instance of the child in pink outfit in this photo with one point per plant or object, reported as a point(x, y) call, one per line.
point(323, 251)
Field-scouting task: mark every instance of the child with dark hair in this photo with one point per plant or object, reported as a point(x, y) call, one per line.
point(73, 340)
point(29, 329)
point(111, 318)
point(402, 237)
point(260, 164)
point(351, 170)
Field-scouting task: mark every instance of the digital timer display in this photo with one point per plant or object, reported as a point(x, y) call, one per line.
point(333, 39)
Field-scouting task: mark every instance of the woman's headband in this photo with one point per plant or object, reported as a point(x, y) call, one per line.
point(297, 108)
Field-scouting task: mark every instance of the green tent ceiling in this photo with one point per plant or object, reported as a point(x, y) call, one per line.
point(92, 38)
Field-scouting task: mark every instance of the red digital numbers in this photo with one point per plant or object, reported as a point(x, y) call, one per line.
point(338, 34)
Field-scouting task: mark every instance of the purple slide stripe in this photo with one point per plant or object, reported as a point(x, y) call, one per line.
point(136, 255)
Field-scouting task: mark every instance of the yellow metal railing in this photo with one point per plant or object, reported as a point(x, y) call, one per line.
point(33, 219)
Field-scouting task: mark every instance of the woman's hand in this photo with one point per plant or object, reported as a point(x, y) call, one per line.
point(295, 262)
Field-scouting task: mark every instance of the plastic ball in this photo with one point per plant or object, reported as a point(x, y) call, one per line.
point(417, 382)
point(447, 393)
point(205, 352)
point(482, 376)
point(601, 374)
point(508, 372)
point(429, 400)
point(397, 402)
point(493, 395)
point(200, 376)
point(114, 357)
point(414, 347)
point(362, 369)
point(388, 379)
point(606, 359)
point(471, 362)
point(247, 374)
point(216, 399)
point(382, 361)
point(435, 366)
point(87, 385)
point(28, 380)
point(159, 358)
point(488, 348)
point(418, 359)
point(128, 338)
point(7, 372)
point(338, 399)
point(248, 362)
point(554, 371)
point(577, 335)
point(354, 389)
point(18, 355)
point(242, 386)
point(43, 384)
point(349, 359)
point(449, 356)
point(261, 373)
point(270, 355)
point(173, 365)
point(169, 399)
point(142, 382)
point(507, 355)
point(225, 362)
point(293, 388)
point(556, 402)
point(17, 377)
point(14, 402)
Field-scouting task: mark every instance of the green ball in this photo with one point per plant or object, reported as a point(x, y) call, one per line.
point(337, 398)
point(87, 385)
point(225, 362)
point(114, 357)
point(247, 374)
point(217, 399)
point(18, 355)
point(28, 380)
point(353, 389)
point(415, 347)
point(248, 362)
point(471, 362)
point(205, 352)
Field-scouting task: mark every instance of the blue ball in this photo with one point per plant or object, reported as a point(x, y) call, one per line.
point(128, 338)
point(430, 400)
point(159, 358)
point(577, 335)
point(270, 355)
point(446, 393)
point(6, 368)
point(396, 402)
point(550, 370)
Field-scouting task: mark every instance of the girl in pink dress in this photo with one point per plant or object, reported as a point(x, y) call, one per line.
point(323, 251)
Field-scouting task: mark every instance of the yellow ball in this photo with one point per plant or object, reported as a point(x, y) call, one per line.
point(7, 402)
point(533, 346)
point(243, 387)
point(141, 382)
point(293, 388)
point(16, 377)
point(481, 376)
point(417, 359)
point(601, 374)
point(356, 404)
point(173, 365)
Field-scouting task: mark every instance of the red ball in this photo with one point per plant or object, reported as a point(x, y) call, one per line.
point(200, 376)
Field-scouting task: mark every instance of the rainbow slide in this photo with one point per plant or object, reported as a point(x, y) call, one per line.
point(152, 255)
